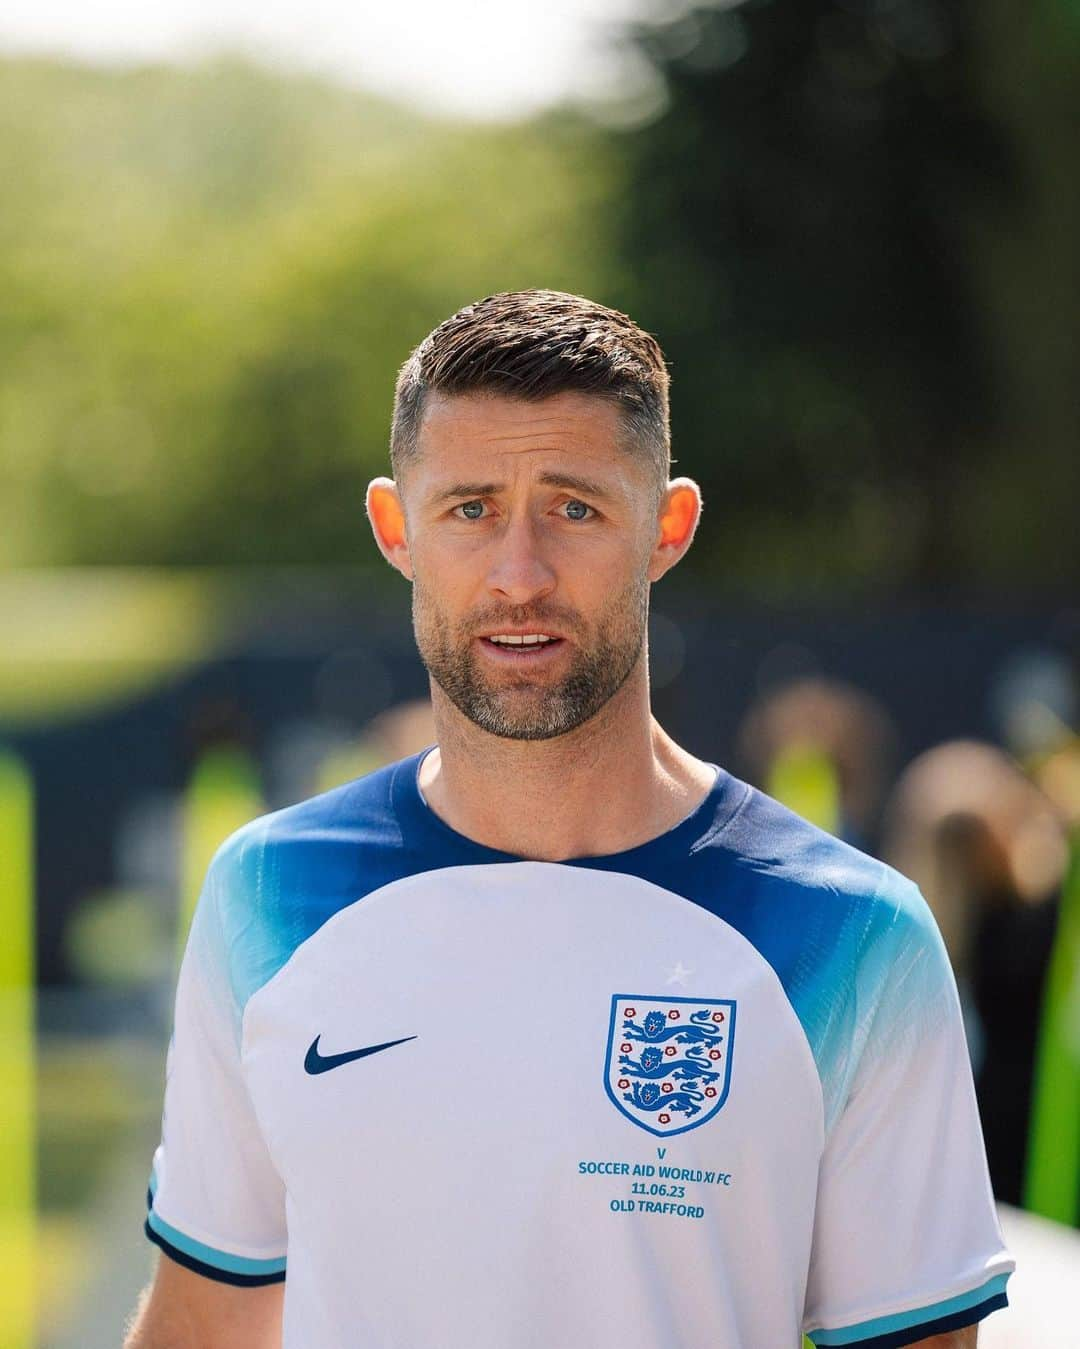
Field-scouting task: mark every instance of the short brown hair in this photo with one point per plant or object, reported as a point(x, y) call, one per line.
point(532, 344)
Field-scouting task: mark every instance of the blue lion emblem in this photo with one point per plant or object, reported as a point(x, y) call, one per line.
point(656, 1028)
point(653, 1063)
point(668, 1061)
point(648, 1096)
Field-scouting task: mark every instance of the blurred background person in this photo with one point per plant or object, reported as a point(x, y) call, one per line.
point(989, 852)
point(825, 749)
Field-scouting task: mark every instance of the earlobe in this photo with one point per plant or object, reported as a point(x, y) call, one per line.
point(679, 513)
point(388, 523)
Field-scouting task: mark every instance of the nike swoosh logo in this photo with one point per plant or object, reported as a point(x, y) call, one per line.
point(320, 1063)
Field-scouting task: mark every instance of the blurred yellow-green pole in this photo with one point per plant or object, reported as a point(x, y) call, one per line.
point(18, 1284)
point(1052, 1183)
point(222, 795)
point(804, 778)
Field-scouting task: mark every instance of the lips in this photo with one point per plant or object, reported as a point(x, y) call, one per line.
point(518, 639)
point(523, 652)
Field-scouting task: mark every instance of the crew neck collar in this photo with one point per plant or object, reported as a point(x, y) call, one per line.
point(428, 831)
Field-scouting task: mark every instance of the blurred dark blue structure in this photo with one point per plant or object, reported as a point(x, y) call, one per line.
point(933, 669)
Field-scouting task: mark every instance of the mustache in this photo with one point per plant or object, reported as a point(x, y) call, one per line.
point(531, 616)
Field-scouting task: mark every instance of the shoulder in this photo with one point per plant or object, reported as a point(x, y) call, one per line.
point(276, 880)
point(359, 811)
point(849, 938)
point(825, 892)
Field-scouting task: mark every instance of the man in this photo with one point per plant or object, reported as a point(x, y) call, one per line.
point(555, 1035)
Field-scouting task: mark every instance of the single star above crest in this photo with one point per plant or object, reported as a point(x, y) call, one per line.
point(678, 974)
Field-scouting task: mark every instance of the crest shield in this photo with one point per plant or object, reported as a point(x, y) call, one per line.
point(668, 1063)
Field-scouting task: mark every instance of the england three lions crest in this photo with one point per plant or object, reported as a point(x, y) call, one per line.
point(668, 1064)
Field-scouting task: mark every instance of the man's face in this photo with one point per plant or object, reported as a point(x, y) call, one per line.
point(525, 520)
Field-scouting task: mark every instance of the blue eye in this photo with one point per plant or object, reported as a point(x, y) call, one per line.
point(576, 510)
point(473, 510)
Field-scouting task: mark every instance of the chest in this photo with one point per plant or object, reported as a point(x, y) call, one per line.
point(598, 1041)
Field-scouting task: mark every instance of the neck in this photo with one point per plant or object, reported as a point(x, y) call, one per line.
point(615, 782)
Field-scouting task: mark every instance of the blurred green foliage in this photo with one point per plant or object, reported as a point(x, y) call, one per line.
point(208, 278)
point(853, 227)
point(91, 1098)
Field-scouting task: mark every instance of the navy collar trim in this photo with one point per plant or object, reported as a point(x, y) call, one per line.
point(425, 830)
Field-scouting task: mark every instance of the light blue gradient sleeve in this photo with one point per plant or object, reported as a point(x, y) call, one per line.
point(216, 1203)
point(906, 1234)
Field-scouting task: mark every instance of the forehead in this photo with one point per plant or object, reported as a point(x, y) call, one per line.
point(516, 436)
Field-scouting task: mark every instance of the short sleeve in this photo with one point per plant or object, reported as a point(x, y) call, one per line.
point(906, 1240)
point(216, 1203)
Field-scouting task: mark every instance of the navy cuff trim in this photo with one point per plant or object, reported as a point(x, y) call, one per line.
point(896, 1339)
point(211, 1271)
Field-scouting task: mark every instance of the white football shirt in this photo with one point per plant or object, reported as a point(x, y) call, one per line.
point(706, 1093)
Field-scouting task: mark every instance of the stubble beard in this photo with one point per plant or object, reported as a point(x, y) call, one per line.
point(514, 706)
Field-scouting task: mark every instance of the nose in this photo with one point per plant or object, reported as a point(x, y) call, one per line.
point(519, 571)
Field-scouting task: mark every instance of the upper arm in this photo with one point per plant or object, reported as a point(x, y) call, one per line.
point(183, 1310)
point(217, 1201)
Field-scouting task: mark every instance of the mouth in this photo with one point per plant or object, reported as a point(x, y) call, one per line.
point(519, 649)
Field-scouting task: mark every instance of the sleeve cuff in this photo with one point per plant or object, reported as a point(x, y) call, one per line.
point(210, 1262)
point(902, 1328)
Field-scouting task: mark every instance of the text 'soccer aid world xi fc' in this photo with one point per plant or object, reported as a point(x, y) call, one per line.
point(668, 1066)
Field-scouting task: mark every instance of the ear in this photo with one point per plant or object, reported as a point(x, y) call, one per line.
point(677, 519)
point(387, 516)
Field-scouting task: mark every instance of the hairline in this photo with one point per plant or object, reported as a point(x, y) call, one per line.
point(634, 439)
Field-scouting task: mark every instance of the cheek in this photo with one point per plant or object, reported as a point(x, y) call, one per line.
point(440, 571)
point(442, 596)
point(620, 573)
point(600, 566)
point(449, 566)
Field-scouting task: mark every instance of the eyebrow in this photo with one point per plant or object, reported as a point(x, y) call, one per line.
point(571, 481)
point(586, 486)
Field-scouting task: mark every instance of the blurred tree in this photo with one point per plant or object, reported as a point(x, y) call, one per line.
point(866, 283)
point(1029, 492)
point(803, 227)
point(208, 278)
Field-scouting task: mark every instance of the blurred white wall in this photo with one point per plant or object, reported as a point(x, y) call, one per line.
point(1042, 1311)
